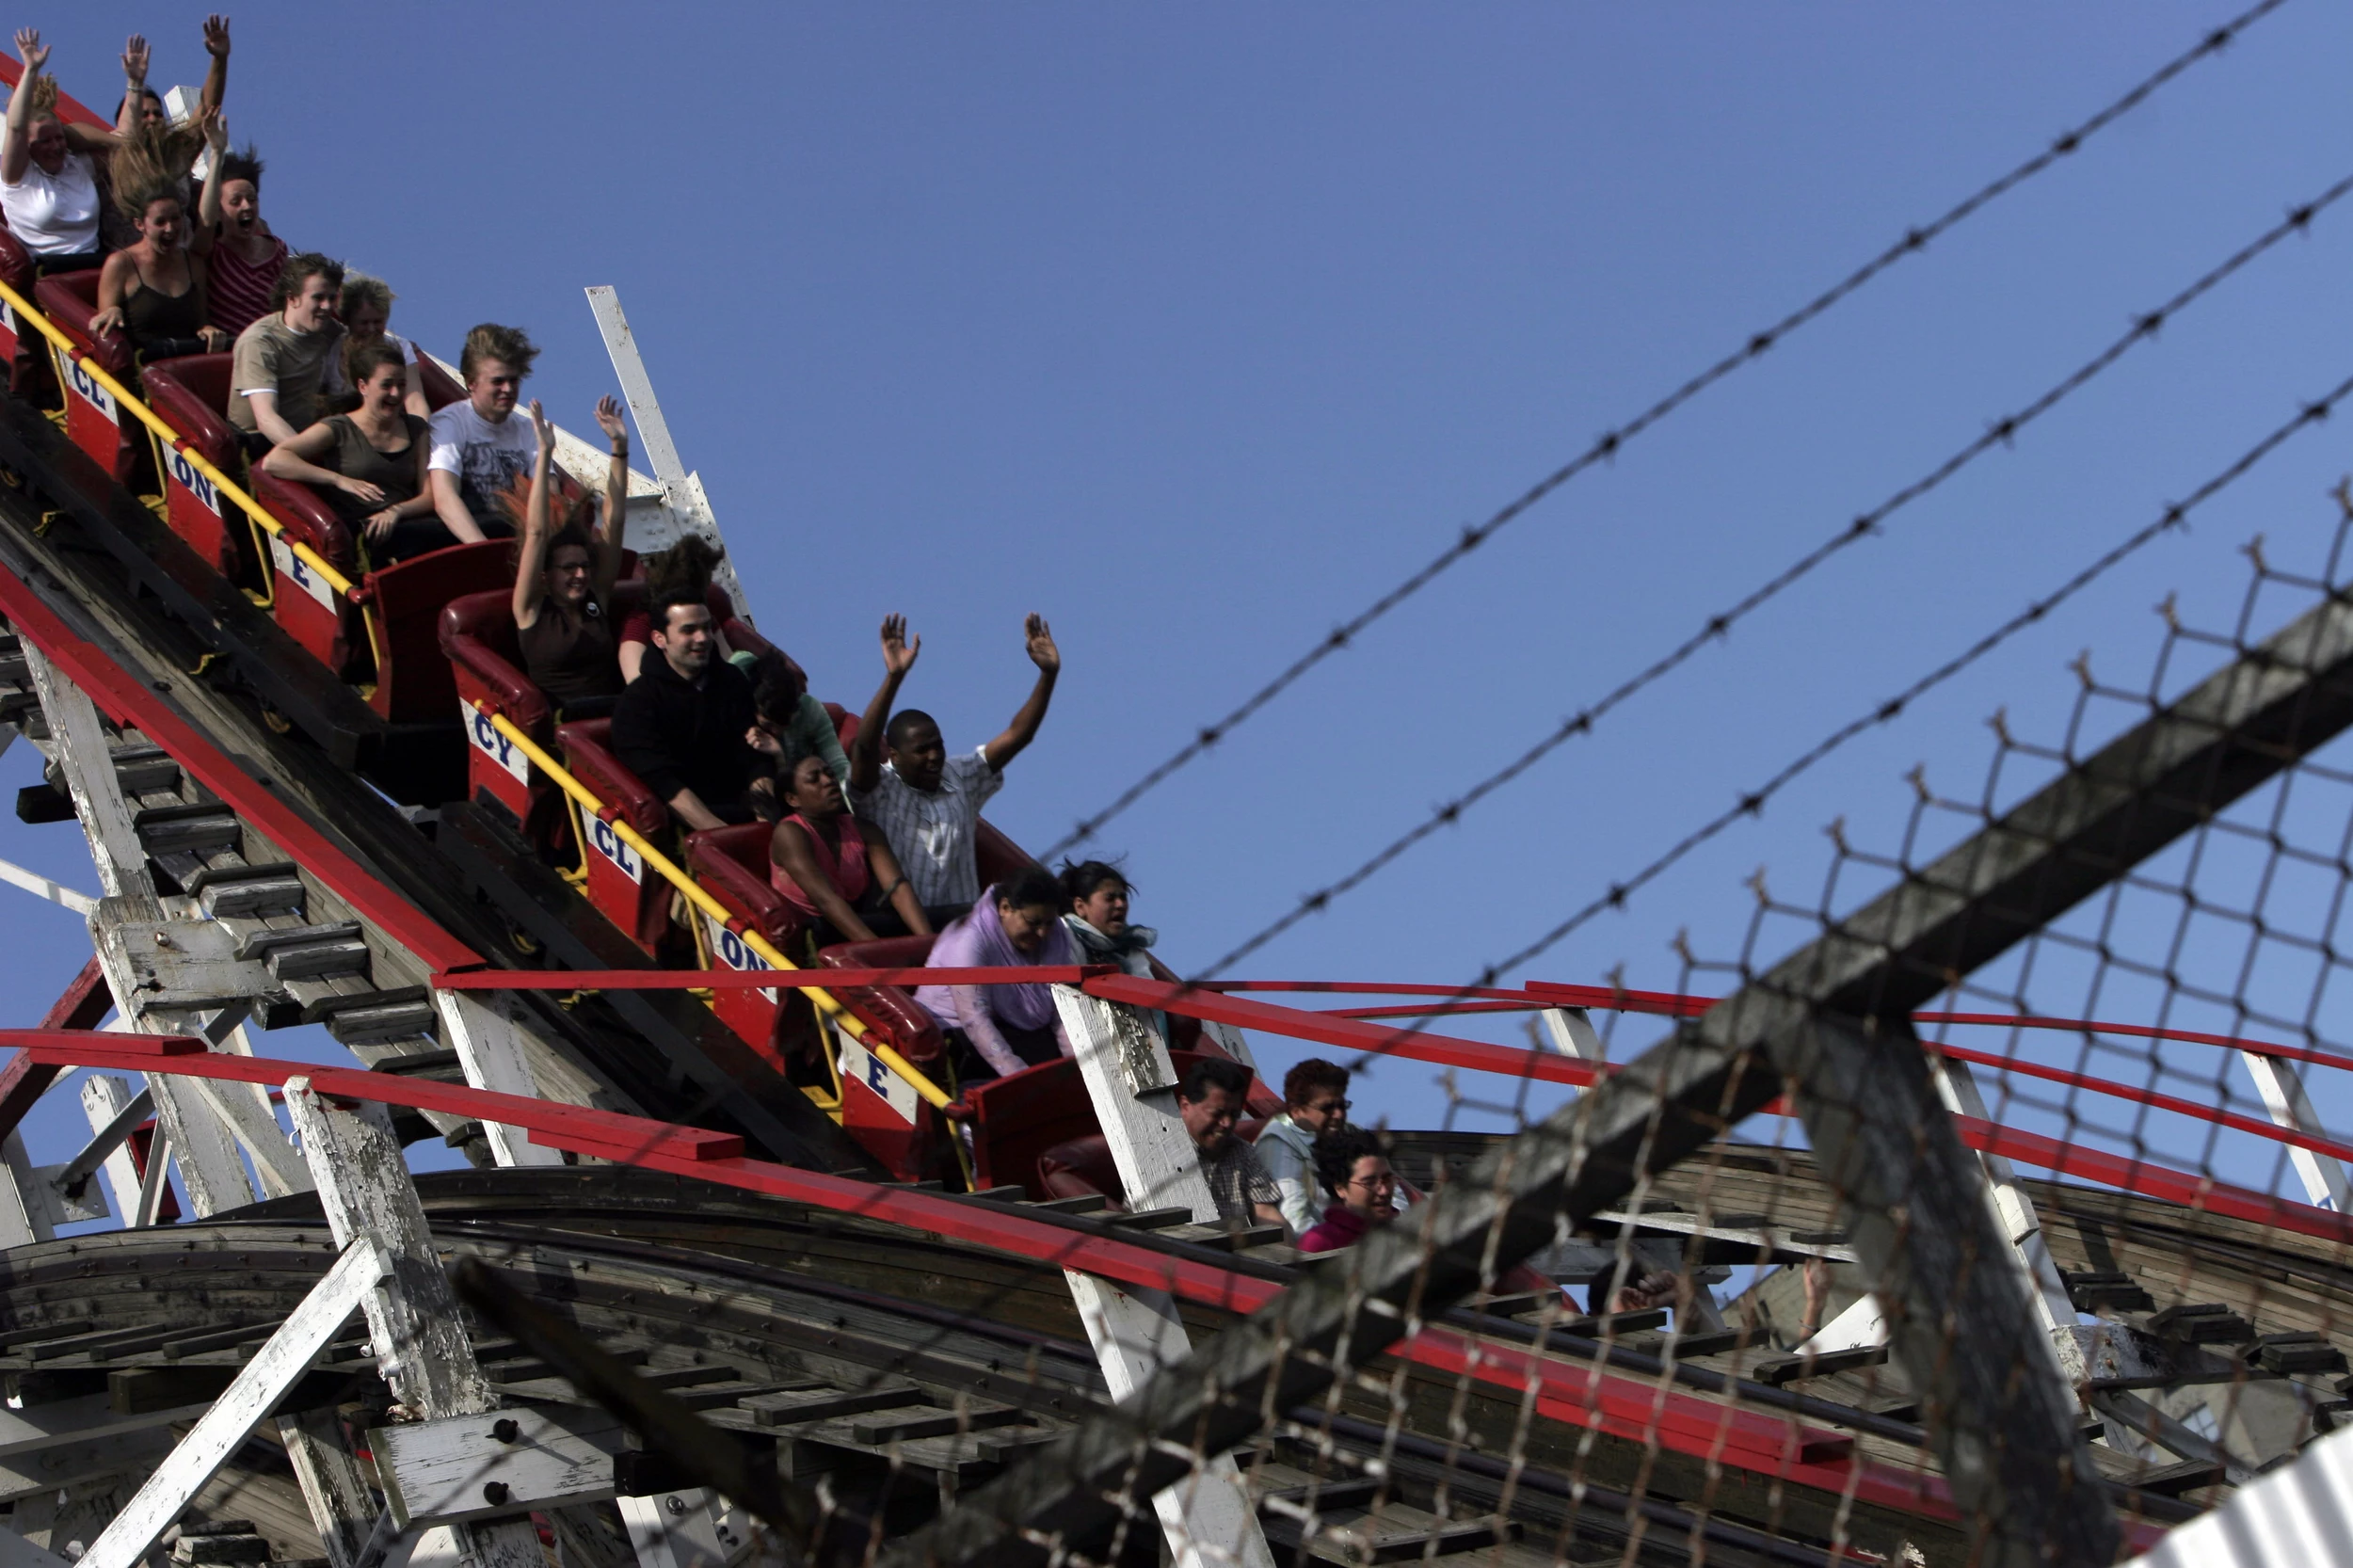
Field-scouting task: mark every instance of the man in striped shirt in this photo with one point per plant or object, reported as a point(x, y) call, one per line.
point(927, 802)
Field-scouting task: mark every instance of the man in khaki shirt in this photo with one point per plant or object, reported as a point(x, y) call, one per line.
point(288, 362)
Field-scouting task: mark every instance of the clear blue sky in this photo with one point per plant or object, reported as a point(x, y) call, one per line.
point(1196, 327)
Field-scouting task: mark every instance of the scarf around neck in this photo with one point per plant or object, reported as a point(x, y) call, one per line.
point(1110, 948)
point(978, 941)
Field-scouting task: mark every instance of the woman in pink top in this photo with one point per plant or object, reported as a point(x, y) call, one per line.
point(844, 887)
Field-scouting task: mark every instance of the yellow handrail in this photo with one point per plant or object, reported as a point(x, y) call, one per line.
point(701, 898)
point(693, 892)
point(254, 509)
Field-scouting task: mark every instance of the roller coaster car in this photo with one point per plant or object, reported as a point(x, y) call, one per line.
point(190, 395)
point(92, 421)
point(485, 656)
point(732, 864)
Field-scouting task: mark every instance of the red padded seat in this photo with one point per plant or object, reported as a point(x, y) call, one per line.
point(112, 436)
point(23, 349)
point(628, 892)
point(414, 682)
point(190, 393)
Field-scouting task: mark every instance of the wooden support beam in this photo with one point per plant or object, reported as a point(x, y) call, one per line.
point(273, 1369)
point(484, 1031)
point(420, 1340)
point(1208, 1518)
point(342, 1508)
point(445, 1471)
point(78, 737)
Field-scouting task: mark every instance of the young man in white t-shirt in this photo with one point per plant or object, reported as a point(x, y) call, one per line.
point(480, 449)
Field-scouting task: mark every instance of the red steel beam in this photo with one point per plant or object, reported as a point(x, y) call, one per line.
point(767, 980)
point(22, 1080)
point(130, 702)
point(1639, 1410)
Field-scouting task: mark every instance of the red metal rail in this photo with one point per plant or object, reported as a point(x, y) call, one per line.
point(131, 702)
point(1640, 1410)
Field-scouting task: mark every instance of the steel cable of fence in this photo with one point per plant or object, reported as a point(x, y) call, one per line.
point(2000, 432)
point(1752, 802)
point(1606, 446)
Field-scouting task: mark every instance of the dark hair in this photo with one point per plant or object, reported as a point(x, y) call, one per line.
point(1081, 879)
point(489, 341)
point(300, 267)
point(566, 537)
point(244, 164)
point(902, 724)
point(778, 687)
point(1337, 1150)
point(1311, 1075)
point(1030, 887)
point(1214, 1072)
point(660, 606)
point(145, 92)
point(369, 357)
point(684, 568)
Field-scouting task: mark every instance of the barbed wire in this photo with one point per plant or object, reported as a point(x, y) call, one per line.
point(1753, 802)
point(1606, 446)
point(2000, 432)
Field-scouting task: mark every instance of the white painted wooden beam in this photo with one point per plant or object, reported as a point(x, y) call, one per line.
point(1129, 1075)
point(1207, 1519)
point(2015, 1213)
point(283, 1359)
point(435, 1472)
point(682, 491)
point(483, 1029)
point(42, 886)
point(420, 1340)
point(2283, 1096)
point(78, 736)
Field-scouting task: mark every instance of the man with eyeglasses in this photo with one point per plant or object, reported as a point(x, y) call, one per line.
point(1315, 1098)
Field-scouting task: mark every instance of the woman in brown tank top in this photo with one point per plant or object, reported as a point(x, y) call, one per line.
point(368, 464)
point(564, 576)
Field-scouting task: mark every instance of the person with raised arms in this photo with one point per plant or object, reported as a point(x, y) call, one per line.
point(564, 576)
point(142, 105)
point(927, 802)
point(49, 171)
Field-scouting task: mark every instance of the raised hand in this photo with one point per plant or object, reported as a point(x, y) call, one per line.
point(1038, 638)
point(134, 60)
point(34, 53)
point(217, 36)
point(898, 653)
point(216, 132)
point(541, 428)
point(609, 419)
